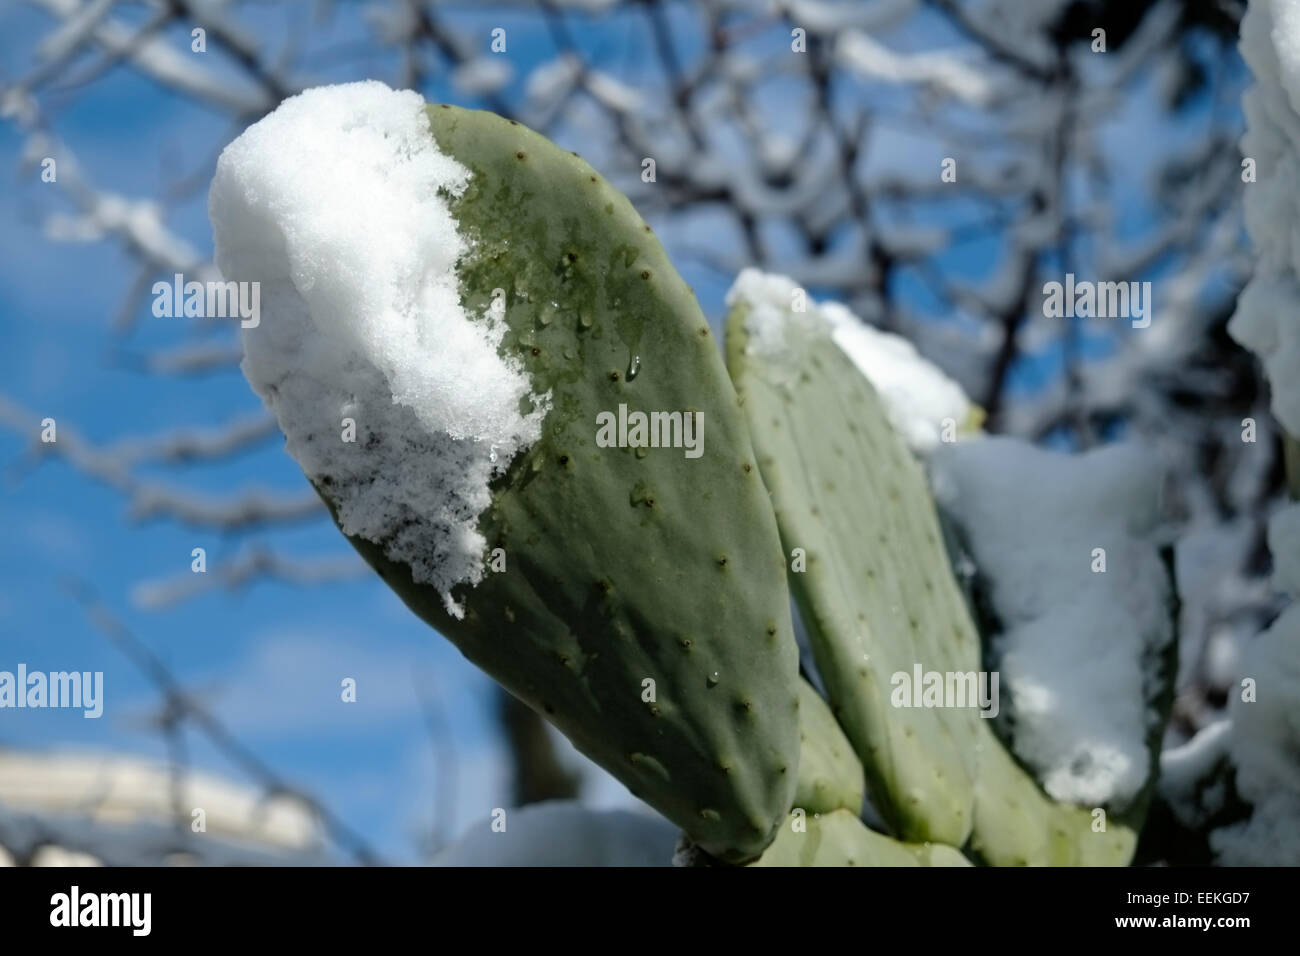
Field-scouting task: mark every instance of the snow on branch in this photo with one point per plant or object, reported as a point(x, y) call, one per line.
point(113, 466)
point(257, 564)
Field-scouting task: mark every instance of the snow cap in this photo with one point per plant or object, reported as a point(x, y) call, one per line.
point(340, 204)
point(918, 396)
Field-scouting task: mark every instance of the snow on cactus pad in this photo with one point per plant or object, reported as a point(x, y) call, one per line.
point(338, 205)
point(918, 397)
point(572, 573)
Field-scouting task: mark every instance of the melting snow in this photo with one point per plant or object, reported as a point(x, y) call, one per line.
point(338, 204)
point(918, 396)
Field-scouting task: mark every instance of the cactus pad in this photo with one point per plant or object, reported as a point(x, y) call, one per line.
point(839, 838)
point(830, 774)
point(638, 598)
point(878, 598)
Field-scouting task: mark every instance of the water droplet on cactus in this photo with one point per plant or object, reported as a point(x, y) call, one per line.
point(712, 679)
point(633, 367)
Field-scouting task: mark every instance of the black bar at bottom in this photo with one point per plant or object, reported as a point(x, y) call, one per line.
point(334, 905)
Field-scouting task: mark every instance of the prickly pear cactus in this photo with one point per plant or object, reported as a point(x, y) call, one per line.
point(874, 592)
point(839, 838)
point(830, 774)
point(622, 566)
point(878, 598)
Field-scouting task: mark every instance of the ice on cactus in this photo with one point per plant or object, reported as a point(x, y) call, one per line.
point(1266, 320)
point(1079, 648)
point(918, 396)
point(392, 398)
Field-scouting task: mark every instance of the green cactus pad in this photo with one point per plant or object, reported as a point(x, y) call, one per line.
point(830, 774)
point(937, 854)
point(622, 565)
point(1016, 824)
point(878, 597)
point(839, 838)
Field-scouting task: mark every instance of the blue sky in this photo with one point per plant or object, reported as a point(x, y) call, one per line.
point(267, 659)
